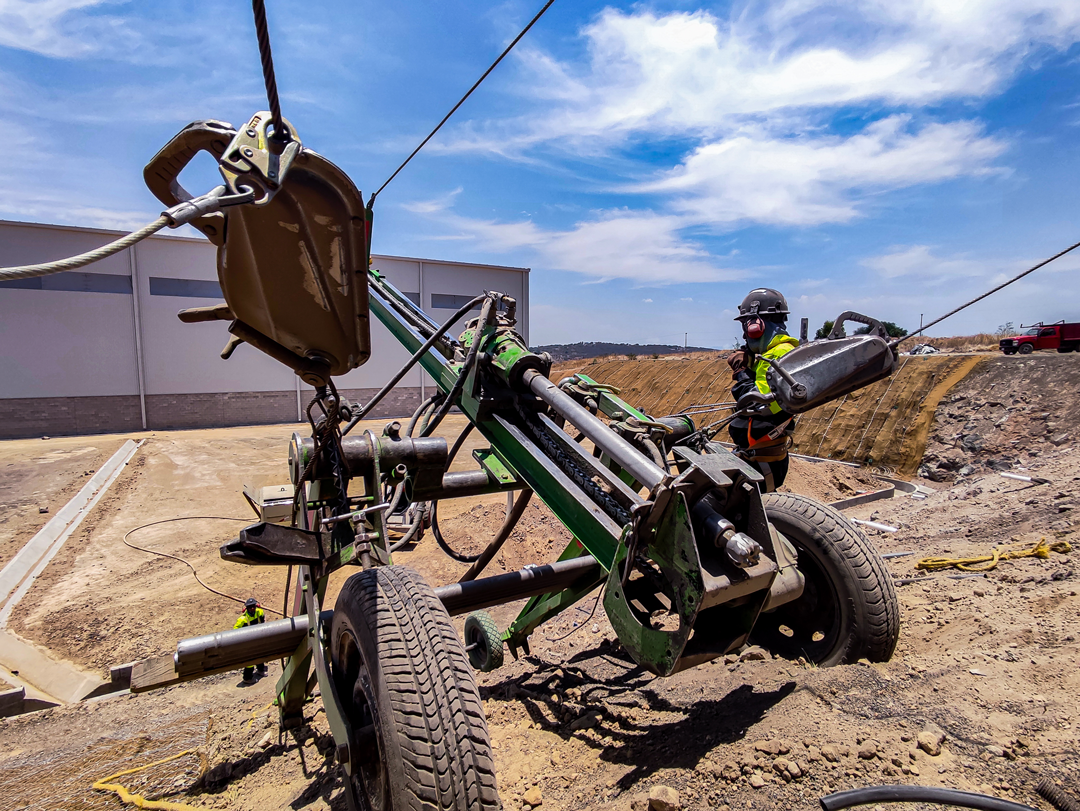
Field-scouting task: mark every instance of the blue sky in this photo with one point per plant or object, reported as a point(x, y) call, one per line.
point(651, 162)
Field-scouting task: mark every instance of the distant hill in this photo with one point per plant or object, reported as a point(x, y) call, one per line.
point(598, 349)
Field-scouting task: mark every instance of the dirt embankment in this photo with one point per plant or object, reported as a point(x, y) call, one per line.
point(1008, 413)
point(886, 425)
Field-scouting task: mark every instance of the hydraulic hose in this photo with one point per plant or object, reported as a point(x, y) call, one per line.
point(492, 549)
point(470, 360)
point(430, 342)
point(918, 794)
point(459, 557)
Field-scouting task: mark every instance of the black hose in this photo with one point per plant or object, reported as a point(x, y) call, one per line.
point(470, 360)
point(417, 526)
point(492, 549)
point(430, 342)
point(460, 558)
point(201, 582)
point(918, 794)
point(424, 406)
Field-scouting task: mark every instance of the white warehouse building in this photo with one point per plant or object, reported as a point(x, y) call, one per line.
point(101, 350)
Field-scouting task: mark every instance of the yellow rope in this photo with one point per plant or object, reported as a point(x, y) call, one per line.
point(106, 784)
point(985, 563)
point(257, 712)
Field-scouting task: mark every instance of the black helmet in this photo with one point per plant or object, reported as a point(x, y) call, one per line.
point(764, 302)
point(251, 603)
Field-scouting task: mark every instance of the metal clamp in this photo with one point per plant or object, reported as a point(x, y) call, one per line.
point(253, 159)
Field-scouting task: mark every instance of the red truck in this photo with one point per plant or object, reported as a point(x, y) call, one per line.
point(1060, 336)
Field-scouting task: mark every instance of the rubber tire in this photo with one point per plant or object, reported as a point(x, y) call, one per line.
point(1026, 349)
point(481, 630)
point(1010, 351)
point(396, 655)
point(846, 578)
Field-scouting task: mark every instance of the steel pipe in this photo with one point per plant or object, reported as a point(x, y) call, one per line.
point(239, 647)
point(461, 598)
point(629, 458)
point(460, 484)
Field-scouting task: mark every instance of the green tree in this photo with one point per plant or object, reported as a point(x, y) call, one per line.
point(826, 328)
point(891, 329)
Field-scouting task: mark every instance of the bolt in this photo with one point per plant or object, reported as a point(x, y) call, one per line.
point(248, 151)
point(251, 132)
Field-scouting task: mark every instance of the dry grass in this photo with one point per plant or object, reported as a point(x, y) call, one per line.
point(983, 342)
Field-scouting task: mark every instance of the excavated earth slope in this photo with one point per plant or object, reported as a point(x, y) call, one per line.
point(987, 664)
point(884, 425)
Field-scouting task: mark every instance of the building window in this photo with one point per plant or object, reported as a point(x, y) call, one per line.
point(444, 301)
point(413, 297)
point(184, 288)
point(74, 283)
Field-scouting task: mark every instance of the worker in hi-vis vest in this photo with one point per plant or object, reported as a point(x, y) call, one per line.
point(252, 615)
point(762, 439)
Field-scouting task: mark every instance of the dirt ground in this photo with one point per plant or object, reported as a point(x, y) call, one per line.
point(987, 662)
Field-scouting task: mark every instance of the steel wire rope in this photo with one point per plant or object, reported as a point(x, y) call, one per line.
point(180, 214)
point(182, 560)
point(266, 56)
point(453, 110)
point(990, 292)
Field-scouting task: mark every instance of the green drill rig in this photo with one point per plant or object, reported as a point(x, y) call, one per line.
point(693, 558)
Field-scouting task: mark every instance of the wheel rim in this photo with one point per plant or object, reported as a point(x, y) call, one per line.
point(478, 655)
point(813, 622)
point(369, 782)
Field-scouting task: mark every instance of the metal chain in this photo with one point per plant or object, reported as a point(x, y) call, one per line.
point(571, 468)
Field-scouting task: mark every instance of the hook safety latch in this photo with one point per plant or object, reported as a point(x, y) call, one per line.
point(254, 158)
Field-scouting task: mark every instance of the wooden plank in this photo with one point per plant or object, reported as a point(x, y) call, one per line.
point(150, 674)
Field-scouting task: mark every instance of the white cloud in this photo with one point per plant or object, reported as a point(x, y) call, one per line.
point(810, 181)
point(56, 28)
point(643, 247)
point(691, 72)
point(647, 300)
point(920, 261)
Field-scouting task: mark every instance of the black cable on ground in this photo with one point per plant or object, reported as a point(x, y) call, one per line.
point(460, 558)
point(186, 563)
point(584, 622)
point(446, 118)
point(918, 794)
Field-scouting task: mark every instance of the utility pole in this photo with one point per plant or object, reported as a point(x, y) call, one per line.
point(920, 323)
point(684, 340)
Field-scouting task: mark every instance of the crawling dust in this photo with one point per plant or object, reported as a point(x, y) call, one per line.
point(985, 664)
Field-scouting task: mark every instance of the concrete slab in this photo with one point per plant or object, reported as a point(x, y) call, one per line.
point(60, 681)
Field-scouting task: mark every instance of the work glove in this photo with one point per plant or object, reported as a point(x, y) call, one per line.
point(738, 361)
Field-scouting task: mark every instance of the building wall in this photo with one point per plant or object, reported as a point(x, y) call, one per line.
point(101, 349)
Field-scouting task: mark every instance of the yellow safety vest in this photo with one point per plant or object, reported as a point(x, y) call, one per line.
point(778, 347)
point(247, 619)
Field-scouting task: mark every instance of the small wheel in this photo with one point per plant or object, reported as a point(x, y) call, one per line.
point(1026, 349)
point(410, 697)
point(1010, 351)
point(483, 642)
point(848, 609)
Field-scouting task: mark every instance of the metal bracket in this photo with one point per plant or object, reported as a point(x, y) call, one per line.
point(250, 161)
